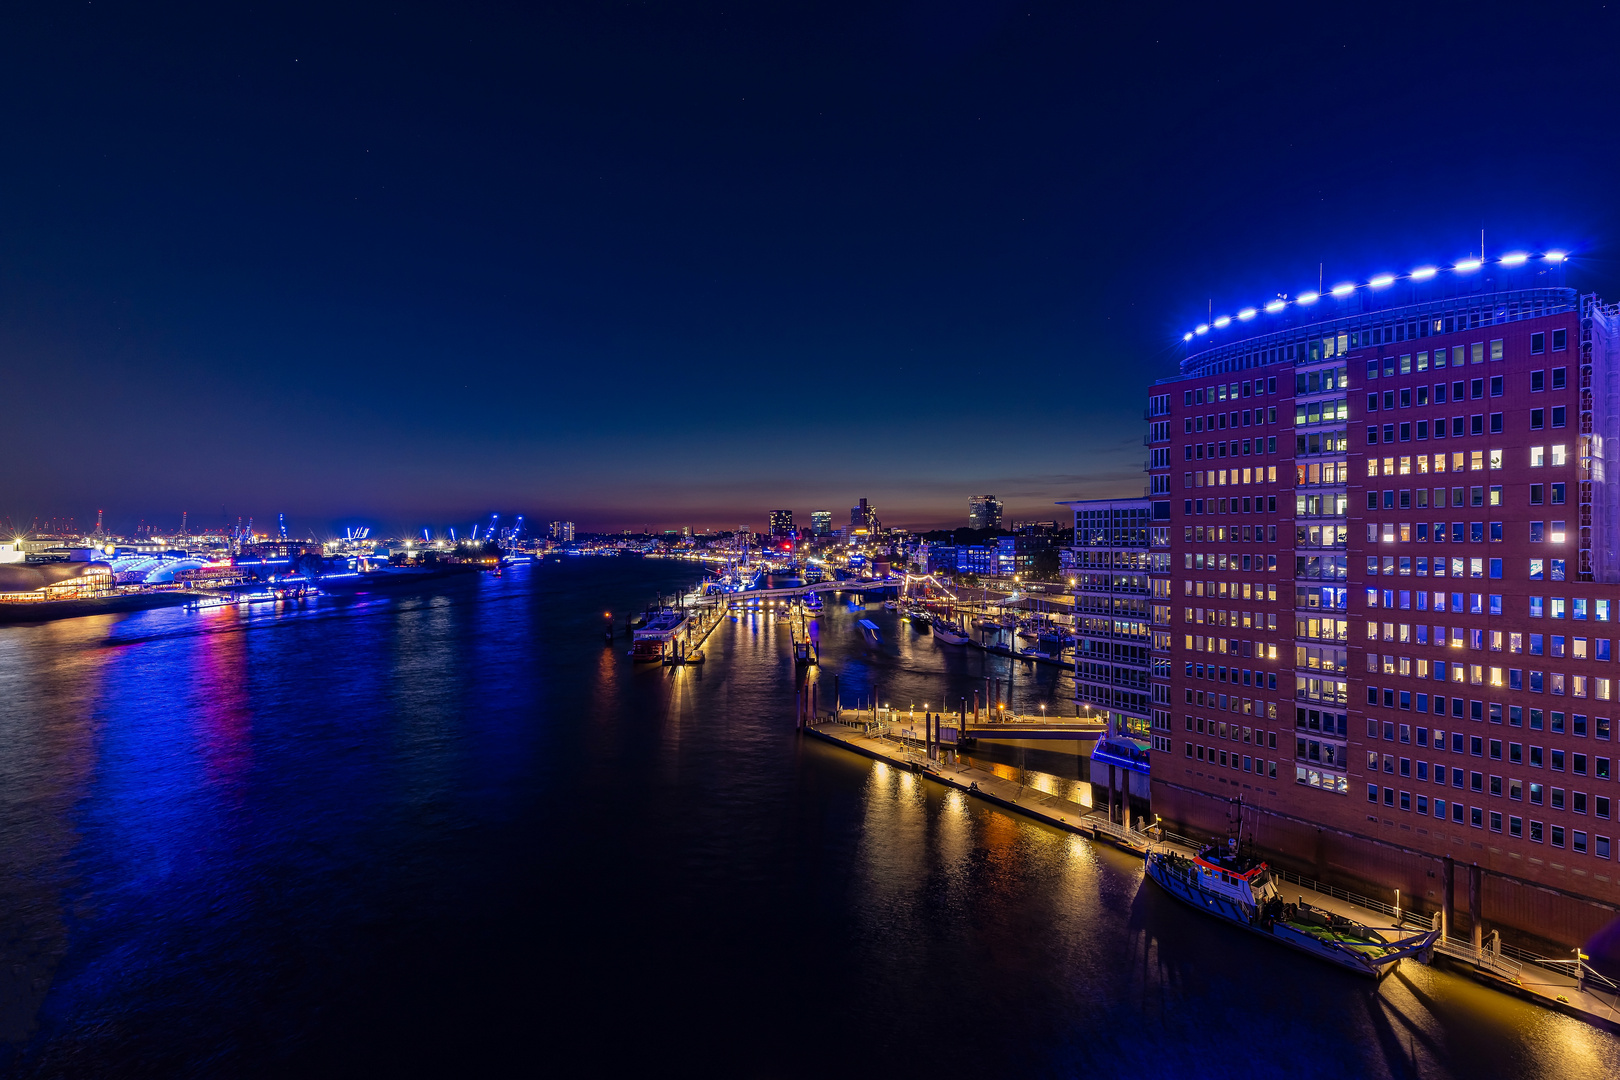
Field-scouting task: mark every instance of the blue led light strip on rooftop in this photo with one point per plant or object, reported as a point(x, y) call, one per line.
point(1378, 281)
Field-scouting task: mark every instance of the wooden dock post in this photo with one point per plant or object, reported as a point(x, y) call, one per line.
point(1448, 883)
point(1110, 793)
point(1475, 915)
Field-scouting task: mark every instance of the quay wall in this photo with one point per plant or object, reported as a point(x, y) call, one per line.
point(1533, 905)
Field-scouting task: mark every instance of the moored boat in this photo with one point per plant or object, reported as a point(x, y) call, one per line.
point(1244, 891)
point(948, 632)
point(658, 631)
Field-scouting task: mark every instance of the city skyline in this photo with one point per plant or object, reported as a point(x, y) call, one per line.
point(1091, 523)
point(265, 264)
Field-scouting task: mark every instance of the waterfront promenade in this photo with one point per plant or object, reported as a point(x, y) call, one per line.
point(1549, 983)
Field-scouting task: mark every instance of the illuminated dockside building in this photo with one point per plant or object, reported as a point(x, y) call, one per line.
point(1388, 616)
point(1112, 555)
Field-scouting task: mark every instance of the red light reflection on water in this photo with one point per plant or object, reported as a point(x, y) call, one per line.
point(221, 714)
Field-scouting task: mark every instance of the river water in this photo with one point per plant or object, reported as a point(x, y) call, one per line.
point(450, 833)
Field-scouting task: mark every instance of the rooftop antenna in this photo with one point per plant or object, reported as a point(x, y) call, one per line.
point(1319, 277)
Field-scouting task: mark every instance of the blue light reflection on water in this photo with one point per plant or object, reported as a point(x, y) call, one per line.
point(449, 831)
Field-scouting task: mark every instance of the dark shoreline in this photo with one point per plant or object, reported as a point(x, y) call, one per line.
point(50, 610)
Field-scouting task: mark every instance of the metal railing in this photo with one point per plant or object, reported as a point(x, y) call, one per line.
point(1506, 960)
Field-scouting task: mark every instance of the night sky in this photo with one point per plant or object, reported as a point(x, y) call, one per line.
point(679, 264)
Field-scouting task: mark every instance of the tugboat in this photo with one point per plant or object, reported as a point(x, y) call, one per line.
point(1242, 890)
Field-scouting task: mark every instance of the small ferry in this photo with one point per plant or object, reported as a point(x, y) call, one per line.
point(812, 602)
point(1244, 891)
point(869, 631)
point(659, 630)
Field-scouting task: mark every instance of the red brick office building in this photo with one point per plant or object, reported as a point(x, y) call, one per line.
point(1392, 592)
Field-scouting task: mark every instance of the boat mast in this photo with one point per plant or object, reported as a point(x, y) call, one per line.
point(1234, 824)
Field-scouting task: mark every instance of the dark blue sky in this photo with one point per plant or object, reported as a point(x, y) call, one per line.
point(681, 264)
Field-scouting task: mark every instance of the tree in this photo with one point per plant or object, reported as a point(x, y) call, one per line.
point(1046, 565)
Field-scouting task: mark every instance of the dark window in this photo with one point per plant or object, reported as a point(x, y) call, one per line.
point(1538, 419)
point(1538, 381)
point(1560, 340)
point(1538, 343)
point(1476, 424)
point(1496, 386)
point(1558, 378)
point(1496, 423)
point(1558, 416)
point(1477, 390)
point(1372, 402)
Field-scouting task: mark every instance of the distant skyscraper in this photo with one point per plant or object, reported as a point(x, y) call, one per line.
point(562, 531)
point(781, 523)
point(820, 522)
point(984, 512)
point(863, 516)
